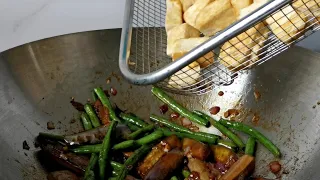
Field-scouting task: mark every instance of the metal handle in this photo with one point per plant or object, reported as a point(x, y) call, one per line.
point(212, 43)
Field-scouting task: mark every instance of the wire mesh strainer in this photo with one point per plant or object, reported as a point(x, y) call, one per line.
point(250, 41)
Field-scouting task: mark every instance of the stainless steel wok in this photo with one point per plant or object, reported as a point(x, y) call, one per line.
point(38, 79)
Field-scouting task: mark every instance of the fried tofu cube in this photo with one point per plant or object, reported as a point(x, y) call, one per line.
point(173, 14)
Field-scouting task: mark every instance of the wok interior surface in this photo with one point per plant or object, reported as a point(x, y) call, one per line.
point(37, 81)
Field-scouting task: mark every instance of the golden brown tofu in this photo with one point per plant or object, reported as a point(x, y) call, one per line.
point(239, 170)
point(240, 4)
point(215, 17)
point(173, 14)
point(182, 31)
point(191, 14)
point(186, 4)
point(186, 77)
point(195, 149)
point(309, 8)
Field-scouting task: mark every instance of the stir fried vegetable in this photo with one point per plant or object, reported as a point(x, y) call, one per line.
point(181, 153)
point(254, 133)
point(177, 107)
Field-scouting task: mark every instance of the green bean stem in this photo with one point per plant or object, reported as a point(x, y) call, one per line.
point(106, 146)
point(92, 115)
point(93, 161)
point(254, 133)
point(94, 96)
point(222, 129)
point(130, 118)
point(132, 160)
point(86, 121)
point(250, 146)
point(181, 128)
point(210, 140)
point(177, 107)
point(186, 173)
point(106, 102)
point(140, 131)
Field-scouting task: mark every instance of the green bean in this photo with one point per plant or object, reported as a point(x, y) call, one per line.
point(92, 115)
point(254, 133)
point(106, 103)
point(228, 144)
point(132, 160)
point(174, 178)
point(115, 173)
point(250, 146)
point(90, 167)
point(116, 166)
point(186, 173)
point(140, 131)
point(86, 121)
point(124, 145)
point(177, 107)
point(130, 118)
point(90, 175)
point(94, 97)
point(181, 128)
point(222, 129)
point(150, 138)
point(106, 146)
point(112, 178)
point(210, 140)
point(132, 127)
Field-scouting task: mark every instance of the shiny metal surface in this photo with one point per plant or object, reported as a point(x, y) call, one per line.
point(38, 79)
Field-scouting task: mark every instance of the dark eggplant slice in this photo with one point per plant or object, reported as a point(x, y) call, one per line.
point(62, 175)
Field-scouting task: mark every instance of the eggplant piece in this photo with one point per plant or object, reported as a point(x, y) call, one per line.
point(62, 175)
point(223, 157)
point(195, 149)
point(240, 169)
point(71, 161)
point(102, 112)
point(157, 152)
point(205, 170)
point(164, 168)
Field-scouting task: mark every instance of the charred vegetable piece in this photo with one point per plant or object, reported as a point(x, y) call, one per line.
point(92, 115)
point(62, 175)
point(196, 165)
point(240, 169)
point(132, 160)
point(195, 149)
point(106, 103)
point(106, 146)
point(177, 107)
point(73, 162)
point(164, 168)
point(89, 174)
point(132, 119)
point(86, 121)
point(181, 128)
point(250, 146)
point(228, 144)
point(254, 133)
point(141, 131)
point(222, 129)
point(102, 112)
point(224, 156)
point(157, 152)
point(209, 139)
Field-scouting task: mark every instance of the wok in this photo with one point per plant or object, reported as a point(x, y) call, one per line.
point(38, 79)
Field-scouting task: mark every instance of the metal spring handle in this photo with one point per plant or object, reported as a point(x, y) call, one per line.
point(212, 43)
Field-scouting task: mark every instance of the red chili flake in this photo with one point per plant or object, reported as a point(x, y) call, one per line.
point(174, 115)
point(214, 110)
point(113, 91)
point(163, 109)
